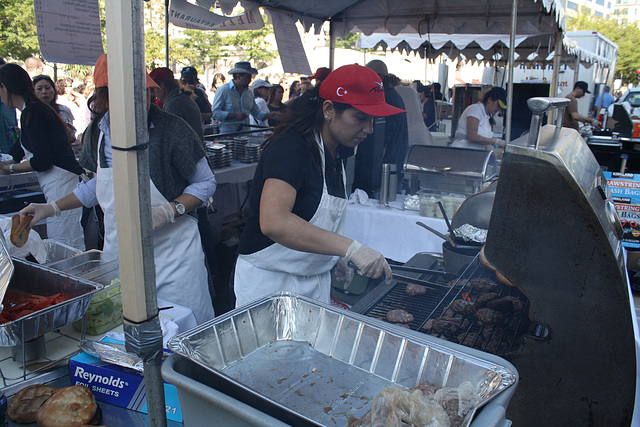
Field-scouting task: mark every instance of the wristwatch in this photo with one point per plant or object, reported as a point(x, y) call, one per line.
point(180, 209)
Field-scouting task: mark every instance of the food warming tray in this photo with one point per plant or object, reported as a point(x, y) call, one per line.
point(41, 280)
point(309, 363)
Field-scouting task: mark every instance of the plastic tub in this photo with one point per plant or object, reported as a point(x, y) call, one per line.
point(201, 403)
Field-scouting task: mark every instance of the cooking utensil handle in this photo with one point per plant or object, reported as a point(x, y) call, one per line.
point(538, 107)
point(446, 218)
point(433, 230)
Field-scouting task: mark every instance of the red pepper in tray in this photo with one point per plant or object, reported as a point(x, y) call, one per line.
point(19, 304)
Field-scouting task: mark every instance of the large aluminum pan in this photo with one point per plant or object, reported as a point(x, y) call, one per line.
point(41, 280)
point(324, 365)
point(83, 263)
point(57, 251)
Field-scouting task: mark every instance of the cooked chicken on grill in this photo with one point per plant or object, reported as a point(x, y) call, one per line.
point(501, 304)
point(458, 282)
point(399, 316)
point(464, 307)
point(413, 289)
point(517, 304)
point(487, 316)
point(483, 285)
point(445, 325)
point(483, 299)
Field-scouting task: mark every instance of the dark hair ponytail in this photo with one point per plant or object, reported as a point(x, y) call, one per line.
point(17, 82)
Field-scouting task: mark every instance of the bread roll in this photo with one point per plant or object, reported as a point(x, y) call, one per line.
point(20, 230)
point(25, 404)
point(69, 407)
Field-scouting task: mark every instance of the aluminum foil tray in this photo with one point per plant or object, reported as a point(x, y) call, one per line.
point(57, 251)
point(83, 263)
point(41, 280)
point(325, 365)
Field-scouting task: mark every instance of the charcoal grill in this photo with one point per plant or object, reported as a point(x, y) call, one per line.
point(555, 236)
point(425, 269)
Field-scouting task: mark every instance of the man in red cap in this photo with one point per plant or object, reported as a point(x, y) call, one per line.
point(176, 100)
point(320, 75)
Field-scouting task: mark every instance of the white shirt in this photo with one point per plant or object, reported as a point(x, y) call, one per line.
point(484, 127)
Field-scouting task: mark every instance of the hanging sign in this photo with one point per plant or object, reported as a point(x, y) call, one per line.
point(186, 15)
point(69, 31)
point(292, 54)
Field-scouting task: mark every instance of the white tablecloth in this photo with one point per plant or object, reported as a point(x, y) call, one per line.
point(393, 231)
point(236, 173)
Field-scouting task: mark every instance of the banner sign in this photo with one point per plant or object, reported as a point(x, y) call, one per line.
point(186, 15)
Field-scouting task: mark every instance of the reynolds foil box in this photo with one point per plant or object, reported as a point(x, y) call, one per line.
point(119, 386)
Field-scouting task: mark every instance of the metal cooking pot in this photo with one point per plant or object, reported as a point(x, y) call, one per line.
point(476, 209)
point(457, 258)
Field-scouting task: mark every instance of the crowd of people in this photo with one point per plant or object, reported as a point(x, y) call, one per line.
point(292, 238)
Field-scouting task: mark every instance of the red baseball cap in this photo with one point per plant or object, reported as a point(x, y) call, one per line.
point(161, 73)
point(321, 73)
point(359, 87)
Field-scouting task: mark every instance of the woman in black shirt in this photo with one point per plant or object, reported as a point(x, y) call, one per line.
point(298, 201)
point(45, 146)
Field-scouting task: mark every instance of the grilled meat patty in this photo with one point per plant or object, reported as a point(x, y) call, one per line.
point(489, 317)
point(464, 307)
point(483, 285)
point(413, 289)
point(399, 315)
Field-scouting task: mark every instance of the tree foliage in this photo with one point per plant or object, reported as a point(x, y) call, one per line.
point(18, 34)
point(625, 35)
point(348, 42)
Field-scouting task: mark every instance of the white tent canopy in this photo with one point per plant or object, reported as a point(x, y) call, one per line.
point(393, 16)
point(491, 47)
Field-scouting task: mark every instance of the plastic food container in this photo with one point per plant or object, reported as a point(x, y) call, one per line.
point(104, 312)
point(429, 200)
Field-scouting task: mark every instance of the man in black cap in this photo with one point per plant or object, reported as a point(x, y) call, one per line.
point(189, 79)
point(572, 118)
point(234, 102)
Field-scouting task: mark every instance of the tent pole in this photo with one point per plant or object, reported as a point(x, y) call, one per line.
point(512, 44)
point(127, 91)
point(553, 90)
point(166, 31)
point(332, 47)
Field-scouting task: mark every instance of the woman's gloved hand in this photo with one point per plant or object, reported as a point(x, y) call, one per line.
point(370, 263)
point(344, 272)
point(162, 215)
point(40, 211)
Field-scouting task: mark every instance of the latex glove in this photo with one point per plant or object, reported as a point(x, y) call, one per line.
point(344, 272)
point(40, 211)
point(162, 215)
point(370, 263)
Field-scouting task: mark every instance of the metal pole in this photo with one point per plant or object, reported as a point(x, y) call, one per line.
point(166, 30)
point(127, 91)
point(512, 44)
point(332, 47)
point(556, 72)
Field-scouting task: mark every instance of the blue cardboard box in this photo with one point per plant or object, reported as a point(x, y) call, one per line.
point(119, 386)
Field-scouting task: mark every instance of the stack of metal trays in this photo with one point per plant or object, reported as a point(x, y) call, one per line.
point(219, 155)
point(252, 152)
point(313, 364)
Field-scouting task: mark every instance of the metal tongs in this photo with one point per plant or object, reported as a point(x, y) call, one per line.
point(446, 237)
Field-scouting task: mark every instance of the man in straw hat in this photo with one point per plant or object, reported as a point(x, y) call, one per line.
point(234, 101)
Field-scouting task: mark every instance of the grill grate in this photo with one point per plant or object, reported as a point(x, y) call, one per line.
point(501, 339)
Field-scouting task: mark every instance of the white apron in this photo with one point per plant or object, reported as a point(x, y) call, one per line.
point(181, 275)
point(55, 184)
point(278, 268)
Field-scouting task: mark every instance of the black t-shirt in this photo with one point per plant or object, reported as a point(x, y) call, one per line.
point(46, 137)
point(290, 158)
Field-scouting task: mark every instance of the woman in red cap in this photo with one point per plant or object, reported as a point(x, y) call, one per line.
point(292, 238)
